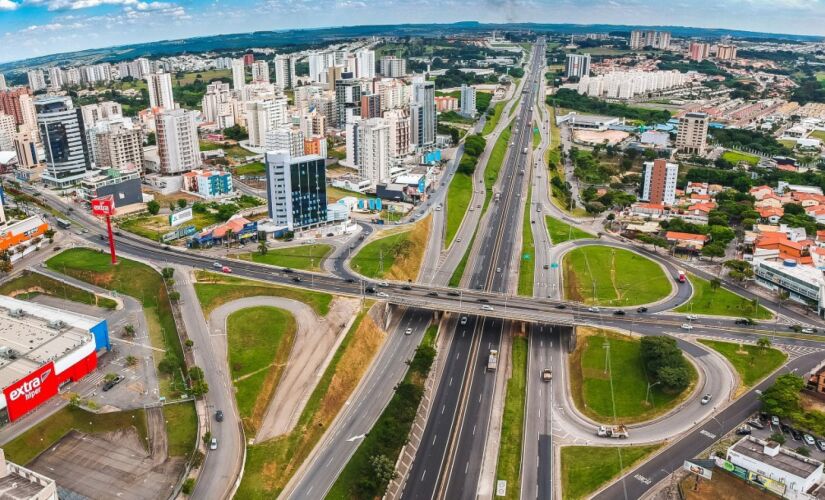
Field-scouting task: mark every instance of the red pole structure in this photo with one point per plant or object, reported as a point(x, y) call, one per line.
point(111, 240)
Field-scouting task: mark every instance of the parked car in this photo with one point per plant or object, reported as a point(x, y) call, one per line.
point(743, 431)
point(755, 423)
point(219, 416)
point(796, 435)
point(820, 444)
point(705, 399)
point(775, 422)
point(785, 429)
point(809, 440)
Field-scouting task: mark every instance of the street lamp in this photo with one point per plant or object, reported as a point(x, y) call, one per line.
point(649, 385)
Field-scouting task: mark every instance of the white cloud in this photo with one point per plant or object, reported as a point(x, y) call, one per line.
point(8, 5)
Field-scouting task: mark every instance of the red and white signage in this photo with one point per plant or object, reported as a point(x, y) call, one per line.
point(31, 391)
point(104, 206)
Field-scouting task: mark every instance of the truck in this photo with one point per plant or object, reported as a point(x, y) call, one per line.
point(682, 277)
point(612, 431)
point(492, 360)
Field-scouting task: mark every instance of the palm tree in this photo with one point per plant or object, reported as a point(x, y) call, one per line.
point(228, 237)
point(715, 283)
point(782, 295)
point(262, 248)
point(763, 343)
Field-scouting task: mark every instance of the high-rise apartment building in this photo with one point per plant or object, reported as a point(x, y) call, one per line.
point(10, 103)
point(160, 91)
point(8, 129)
point(365, 64)
point(216, 103)
point(725, 52)
point(313, 123)
point(26, 149)
point(64, 141)
point(3, 85)
point(640, 39)
point(285, 72)
point(296, 189)
point(394, 93)
point(659, 184)
point(423, 114)
point(370, 106)
point(117, 143)
point(698, 51)
point(319, 64)
point(577, 65)
point(238, 74)
point(393, 67)
point(37, 79)
point(177, 137)
point(260, 71)
point(285, 139)
point(56, 78)
point(347, 98)
point(374, 150)
point(692, 136)
point(398, 121)
point(262, 116)
point(106, 110)
point(468, 100)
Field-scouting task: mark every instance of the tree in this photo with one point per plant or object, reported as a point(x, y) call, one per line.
point(174, 295)
point(171, 206)
point(236, 133)
point(804, 451)
point(198, 386)
point(715, 283)
point(49, 233)
point(782, 295)
point(151, 139)
point(713, 250)
point(383, 470)
point(207, 437)
point(131, 360)
point(674, 377)
point(777, 437)
point(763, 342)
point(128, 330)
point(189, 343)
point(153, 207)
point(182, 202)
point(230, 234)
point(782, 398)
point(167, 273)
point(263, 249)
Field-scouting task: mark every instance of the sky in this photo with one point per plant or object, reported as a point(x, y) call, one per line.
point(30, 28)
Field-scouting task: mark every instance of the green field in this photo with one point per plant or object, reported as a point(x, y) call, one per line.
point(308, 257)
point(214, 289)
point(29, 284)
point(153, 227)
point(492, 121)
point(590, 384)
point(817, 134)
point(494, 163)
point(136, 280)
point(459, 194)
point(752, 362)
point(181, 428)
point(378, 256)
point(259, 339)
point(608, 276)
point(509, 454)
point(736, 157)
point(527, 260)
point(584, 469)
point(205, 75)
point(334, 194)
point(561, 231)
point(720, 302)
point(254, 168)
point(229, 149)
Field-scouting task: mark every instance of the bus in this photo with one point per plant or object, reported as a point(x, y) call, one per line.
point(62, 223)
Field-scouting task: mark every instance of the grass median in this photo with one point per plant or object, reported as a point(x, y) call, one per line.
point(509, 453)
point(752, 362)
point(492, 121)
point(29, 284)
point(609, 276)
point(397, 256)
point(720, 302)
point(585, 469)
point(561, 231)
point(527, 261)
point(306, 257)
point(494, 163)
point(459, 196)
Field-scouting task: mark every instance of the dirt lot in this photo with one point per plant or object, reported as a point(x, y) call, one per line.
point(599, 137)
point(722, 487)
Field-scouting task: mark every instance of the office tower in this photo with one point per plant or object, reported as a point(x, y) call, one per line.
point(238, 74)
point(725, 52)
point(64, 141)
point(116, 143)
point(56, 78)
point(106, 110)
point(374, 150)
point(2, 82)
point(347, 98)
point(365, 64)
point(423, 114)
point(260, 71)
point(285, 139)
point(659, 185)
point(692, 135)
point(577, 65)
point(398, 121)
point(37, 79)
point(640, 39)
point(177, 137)
point(160, 91)
point(262, 116)
point(393, 67)
point(285, 72)
point(370, 106)
point(25, 147)
point(468, 100)
point(296, 189)
point(8, 129)
point(698, 51)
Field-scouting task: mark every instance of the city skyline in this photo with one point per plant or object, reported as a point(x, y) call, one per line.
point(37, 27)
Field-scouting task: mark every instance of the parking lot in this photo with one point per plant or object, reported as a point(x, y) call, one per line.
point(793, 438)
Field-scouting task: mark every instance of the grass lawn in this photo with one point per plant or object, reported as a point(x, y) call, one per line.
point(817, 134)
point(34, 441)
point(752, 362)
point(154, 226)
point(536, 137)
point(206, 75)
point(214, 289)
point(29, 284)
point(591, 388)
point(136, 280)
point(182, 428)
point(397, 256)
point(455, 279)
point(610, 276)
point(259, 339)
point(509, 454)
point(561, 231)
point(527, 260)
point(270, 464)
point(230, 149)
point(459, 194)
point(307, 257)
point(515, 106)
point(254, 168)
point(492, 121)
point(736, 157)
point(334, 194)
point(584, 469)
point(494, 163)
point(721, 302)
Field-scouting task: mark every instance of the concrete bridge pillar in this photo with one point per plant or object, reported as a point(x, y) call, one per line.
point(570, 332)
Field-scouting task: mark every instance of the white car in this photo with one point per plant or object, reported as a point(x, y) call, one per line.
point(809, 440)
point(383, 283)
point(464, 320)
point(593, 309)
point(382, 295)
point(690, 317)
point(687, 326)
point(408, 331)
point(705, 399)
point(213, 445)
point(486, 307)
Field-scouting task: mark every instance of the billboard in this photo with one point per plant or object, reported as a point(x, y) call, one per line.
point(697, 469)
point(736, 470)
point(767, 483)
point(104, 206)
point(180, 216)
point(31, 391)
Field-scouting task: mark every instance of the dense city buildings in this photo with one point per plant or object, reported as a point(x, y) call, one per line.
point(393, 67)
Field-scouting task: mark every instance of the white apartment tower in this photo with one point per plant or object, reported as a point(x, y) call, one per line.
point(238, 74)
point(116, 144)
point(365, 64)
point(160, 91)
point(577, 65)
point(177, 136)
point(260, 71)
point(285, 72)
point(285, 139)
point(468, 100)
point(423, 114)
point(37, 79)
point(374, 150)
point(393, 67)
point(262, 116)
point(8, 129)
point(398, 121)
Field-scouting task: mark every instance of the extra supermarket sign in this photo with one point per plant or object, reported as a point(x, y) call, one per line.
point(31, 391)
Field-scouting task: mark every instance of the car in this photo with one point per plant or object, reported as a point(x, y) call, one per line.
point(369, 289)
point(383, 283)
point(330, 235)
point(690, 317)
point(743, 431)
point(546, 375)
point(546, 266)
point(406, 287)
point(561, 306)
point(226, 269)
point(755, 423)
point(382, 295)
point(498, 269)
point(619, 312)
point(745, 321)
point(458, 240)
point(350, 280)
point(796, 434)
point(483, 300)
point(217, 265)
point(784, 428)
point(809, 440)
point(297, 279)
point(642, 309)
point(593, 309)
point(820, 444)
point(432, 294)
point(705, 399)
point(775, 422)
point(108, 385)
point(408, 331)
point(213, 444)
point(287, 270)
point(463, 320)
point(219, 416)
point(687, 326)
point(808, 330)
point(486, 307)
point(453, 294)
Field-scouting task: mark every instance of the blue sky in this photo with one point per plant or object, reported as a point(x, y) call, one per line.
point(37, 27)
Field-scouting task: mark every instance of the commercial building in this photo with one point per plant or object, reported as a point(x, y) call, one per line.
point(698, 51)
point(640, 39)
point(64, 141)
point(238, 74)
point(177, 138)
point(296, 190)
point(423, 114)
point(804, 284)
point(285, 72)
point(659, 183)
point(692, 136)
point(725, 52)
point(577, 65)
point(17, 482)
point(766, 463)
point(468, 100)
point(116, 144)
point(393, 67)
point(208, 183)
point(160, 91)
point(122, 185)
point(44, 348)
point(22, 232)
point(588, 122)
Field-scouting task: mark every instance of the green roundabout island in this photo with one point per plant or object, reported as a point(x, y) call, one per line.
point(609, 276)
